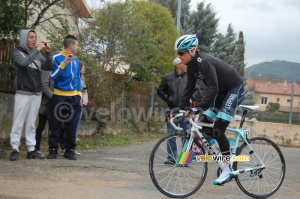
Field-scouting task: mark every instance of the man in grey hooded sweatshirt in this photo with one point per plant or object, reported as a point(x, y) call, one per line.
point(28, 62)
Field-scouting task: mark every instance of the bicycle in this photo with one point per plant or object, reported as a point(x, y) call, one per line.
point(261, 177)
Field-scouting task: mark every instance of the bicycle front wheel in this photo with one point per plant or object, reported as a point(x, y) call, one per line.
point(174, 173)
point(260, 183)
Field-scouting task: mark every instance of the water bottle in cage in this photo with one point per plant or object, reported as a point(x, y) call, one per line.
point(231, 145)
point(215, 147)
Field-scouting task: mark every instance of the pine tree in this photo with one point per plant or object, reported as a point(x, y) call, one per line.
point(239, 53)
point(224, 46)
point(172, 5)
point(204, 24)
point(230, 50)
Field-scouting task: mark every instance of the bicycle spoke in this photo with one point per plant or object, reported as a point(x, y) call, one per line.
point(178, 180)
point(253, 179)
point(165, 170)
point(267, 161)
point(163, 158)
point(276, 173)
point(189, 177)
point(261, 183)
point(187, 182)
point(275, 167)
point(170, 178)
point(263, 158)
point(172, 155)
point(192, 171)
point(271, 177)
point(267, 183)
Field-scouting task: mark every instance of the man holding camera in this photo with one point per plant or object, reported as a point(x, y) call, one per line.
point(65, 102)
point(28, 62)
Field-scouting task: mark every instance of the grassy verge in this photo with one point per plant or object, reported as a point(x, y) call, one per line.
point(87, 142)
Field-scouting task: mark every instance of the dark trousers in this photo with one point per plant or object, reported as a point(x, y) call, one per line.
point(63, 138)
point(39, 130)
point(64, 109)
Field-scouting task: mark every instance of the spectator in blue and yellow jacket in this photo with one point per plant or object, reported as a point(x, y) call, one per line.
point(65, 102)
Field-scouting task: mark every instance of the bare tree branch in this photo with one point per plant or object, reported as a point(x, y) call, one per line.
point(54, 16)
point(42, 13)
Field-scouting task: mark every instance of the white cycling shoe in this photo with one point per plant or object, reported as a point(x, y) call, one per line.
point(225, 176)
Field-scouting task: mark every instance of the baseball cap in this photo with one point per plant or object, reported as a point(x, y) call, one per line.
point(176, 61)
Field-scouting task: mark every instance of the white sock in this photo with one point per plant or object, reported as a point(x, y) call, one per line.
point(228, 166)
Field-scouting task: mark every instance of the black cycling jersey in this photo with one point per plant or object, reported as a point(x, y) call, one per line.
point(217, 75)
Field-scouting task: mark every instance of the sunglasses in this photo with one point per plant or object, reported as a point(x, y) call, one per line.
point(182, 52)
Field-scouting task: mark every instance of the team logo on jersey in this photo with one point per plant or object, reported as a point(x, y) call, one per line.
point(199, 60)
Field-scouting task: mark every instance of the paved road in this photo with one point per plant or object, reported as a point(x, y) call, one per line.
point(116, 172)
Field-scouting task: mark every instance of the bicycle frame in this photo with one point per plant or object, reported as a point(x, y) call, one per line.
point(195, 132)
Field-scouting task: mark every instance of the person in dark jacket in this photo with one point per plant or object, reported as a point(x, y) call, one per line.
point(28, 62)
point(171, 90)
point(224, 92)
point(44, 111)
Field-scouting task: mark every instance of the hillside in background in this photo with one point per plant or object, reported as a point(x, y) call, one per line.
point(274, 71)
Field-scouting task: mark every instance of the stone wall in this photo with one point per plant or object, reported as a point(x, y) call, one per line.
point(281, 134)
point(6, 118)
point(6, 114)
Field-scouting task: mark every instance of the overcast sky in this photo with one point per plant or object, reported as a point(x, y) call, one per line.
point(271, 27)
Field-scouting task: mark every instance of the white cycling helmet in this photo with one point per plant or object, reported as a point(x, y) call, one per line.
point(186, 42)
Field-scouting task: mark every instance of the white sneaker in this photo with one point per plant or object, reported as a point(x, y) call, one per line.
point(225, 176)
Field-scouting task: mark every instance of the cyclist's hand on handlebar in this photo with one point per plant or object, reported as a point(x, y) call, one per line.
point(168, 116)
point(174, 111)
point(187, 114)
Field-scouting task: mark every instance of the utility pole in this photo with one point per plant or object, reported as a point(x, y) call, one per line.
point(178, 15)
point(292, 100)
point(152, 99)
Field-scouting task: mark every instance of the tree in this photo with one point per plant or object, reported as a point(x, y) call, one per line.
point(44, 14)
point(12, 14)
point(204, 24)
point(230, 50)
point(239, 53)
point(118, 37)
point(19, 14)
point(224, 46)
point(116, 29)
point(35, 12)
point(164, 32)
point(172, 5)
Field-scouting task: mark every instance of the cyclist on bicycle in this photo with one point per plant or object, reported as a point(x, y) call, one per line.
point(224, 92)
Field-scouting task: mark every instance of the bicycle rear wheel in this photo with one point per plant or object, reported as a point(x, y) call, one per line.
point(185, 175)
point(261, 183)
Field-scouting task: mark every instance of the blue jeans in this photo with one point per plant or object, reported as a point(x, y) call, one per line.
point(172, 146)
